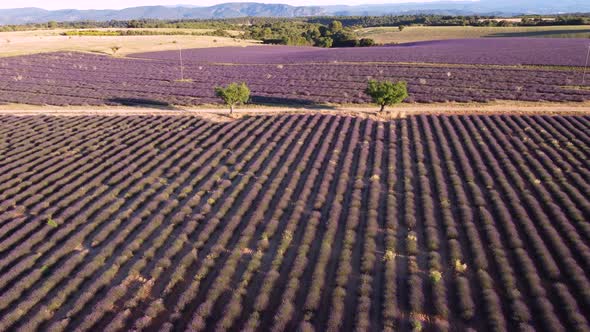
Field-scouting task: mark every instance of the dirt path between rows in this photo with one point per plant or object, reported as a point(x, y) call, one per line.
point(219, 114)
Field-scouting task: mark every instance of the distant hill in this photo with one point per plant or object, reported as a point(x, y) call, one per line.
point(483, 7)
point(232, 10)
point(229, 10)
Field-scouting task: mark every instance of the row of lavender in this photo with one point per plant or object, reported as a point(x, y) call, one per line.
point(482, 51)
point(294, 222)
point(84, 79)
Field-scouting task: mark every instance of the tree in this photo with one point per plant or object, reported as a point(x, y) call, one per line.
point(325, 31)
point(234, 94)
point(366, 42)
point(324, 42)
point(401, 27)
point(385, 93)
point(313, 33)
point(335, 26)
point(345, 38)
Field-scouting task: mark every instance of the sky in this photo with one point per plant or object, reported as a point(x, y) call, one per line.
point(118, 4)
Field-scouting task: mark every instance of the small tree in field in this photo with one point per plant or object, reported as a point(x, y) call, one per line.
point(234, 94)
point(385, 93)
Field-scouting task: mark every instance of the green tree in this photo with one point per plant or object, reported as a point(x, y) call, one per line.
point(266, 32)
point(335, 26)
point(325, 31)
point(401, 27)
point(324, 42)
point(313, 33)
point(366, 42)
point(345, 38)
point(385, 93)
point(234, 94)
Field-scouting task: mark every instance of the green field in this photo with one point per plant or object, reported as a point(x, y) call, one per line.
point(385, 35)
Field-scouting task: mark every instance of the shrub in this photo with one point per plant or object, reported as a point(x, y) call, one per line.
point(389, 256)
point(459, 266)
point(435, 276)
point(366, 42)
point(52, 222)
point(416, 325)
point(466, 304)
point(412, 244)
point(326, 42)
point(306, 327)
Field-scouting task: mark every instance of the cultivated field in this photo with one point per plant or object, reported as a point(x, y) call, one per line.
point(447, 71)
point(388, 35)
point(318, 222)
point(493, 51)
point(39, 41)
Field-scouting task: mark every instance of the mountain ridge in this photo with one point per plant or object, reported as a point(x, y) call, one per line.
point(233, 10)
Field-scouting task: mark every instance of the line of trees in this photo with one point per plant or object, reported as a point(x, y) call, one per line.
point(453, 20)
point(216, 33)
point(347, 21)
point(383, 93)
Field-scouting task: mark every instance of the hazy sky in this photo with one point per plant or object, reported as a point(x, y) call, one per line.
point(118, 4)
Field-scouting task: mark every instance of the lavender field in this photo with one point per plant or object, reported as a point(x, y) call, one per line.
point(434, 185)
point(496, 51)
point(295, 223)
point(86, 79)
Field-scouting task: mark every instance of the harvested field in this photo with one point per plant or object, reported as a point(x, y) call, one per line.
point(84, 79)
point(301, 221)
point(388, 35)
point(39, 41)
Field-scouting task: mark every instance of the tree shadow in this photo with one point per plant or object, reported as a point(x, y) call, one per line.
point(288, 102)
point(542, 33)
point(143, 103)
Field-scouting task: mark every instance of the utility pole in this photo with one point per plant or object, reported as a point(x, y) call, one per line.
point(181, 64)
point(586, 66)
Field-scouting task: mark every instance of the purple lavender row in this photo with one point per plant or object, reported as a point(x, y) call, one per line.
point(501, 51)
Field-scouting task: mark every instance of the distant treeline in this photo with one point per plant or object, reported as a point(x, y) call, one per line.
point(442, 20)
point(217, 33)
point(226, 24)
point(347, 21)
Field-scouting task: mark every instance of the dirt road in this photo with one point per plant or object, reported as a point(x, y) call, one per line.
point(220, 114)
